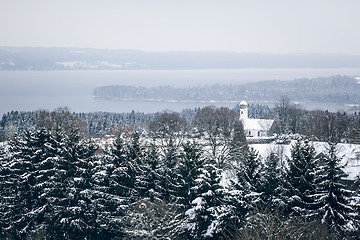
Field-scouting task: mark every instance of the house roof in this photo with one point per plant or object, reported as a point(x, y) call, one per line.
point(257, 124)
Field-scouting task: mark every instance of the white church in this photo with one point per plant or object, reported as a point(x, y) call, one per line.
point(254, 127)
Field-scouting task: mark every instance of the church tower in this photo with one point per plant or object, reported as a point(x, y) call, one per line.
point(243, 110)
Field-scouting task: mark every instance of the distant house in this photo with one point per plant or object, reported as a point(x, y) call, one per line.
point(254, 127)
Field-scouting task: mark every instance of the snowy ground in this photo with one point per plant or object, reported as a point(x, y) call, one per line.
point(350, 153)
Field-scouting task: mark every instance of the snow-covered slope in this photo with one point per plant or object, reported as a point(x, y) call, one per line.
point(350, 153)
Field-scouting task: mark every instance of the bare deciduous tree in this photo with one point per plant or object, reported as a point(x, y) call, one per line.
point(167, 127)
point(287, 116)
point(59, 118)
point(271, 225)
point(218, 126)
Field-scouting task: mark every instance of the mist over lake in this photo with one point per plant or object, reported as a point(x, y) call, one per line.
point(33, 90)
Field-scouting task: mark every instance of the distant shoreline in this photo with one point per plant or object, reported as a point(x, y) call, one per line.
point(37, 58)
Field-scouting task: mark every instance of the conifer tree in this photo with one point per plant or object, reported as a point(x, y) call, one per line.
point(248, 177)
point(245, 190)
point(28, 176)
point(155, 213)
point(238, 146)
point(209, 211)
point(170, 173)
point(121, 168)
point(109, 208)
point(149, 186)
point(272, 185)
point(303, 165)
point(190, 165)
point(49, 186)
point(146, 161)
point(5, 183)
point(72, 215)
point(333, 198)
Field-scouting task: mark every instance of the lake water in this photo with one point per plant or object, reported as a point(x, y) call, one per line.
point(33, 90)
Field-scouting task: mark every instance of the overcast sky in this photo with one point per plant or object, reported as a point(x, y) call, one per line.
point(271, 26)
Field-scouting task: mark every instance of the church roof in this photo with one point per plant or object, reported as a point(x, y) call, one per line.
point(243, 102)
point(257, 124)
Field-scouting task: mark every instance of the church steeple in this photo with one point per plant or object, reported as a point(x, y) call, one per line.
point(243, 110)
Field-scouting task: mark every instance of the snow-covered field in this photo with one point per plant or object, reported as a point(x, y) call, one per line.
point(350, 153)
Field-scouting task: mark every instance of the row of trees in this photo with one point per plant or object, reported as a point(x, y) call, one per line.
point(318, 125)
point(167, 183)
point(97, 124)
point(335, 89)
point(290, 118)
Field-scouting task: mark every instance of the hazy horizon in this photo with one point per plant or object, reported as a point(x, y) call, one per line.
point(260, 26)
point(182, 51)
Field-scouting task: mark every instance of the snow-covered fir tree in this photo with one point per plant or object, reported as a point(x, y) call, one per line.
point(333, 197)
point(244, 191)
point(238, 146)
point(170, 156)
point(28, 179)
point(209, 211)
point(156, 211)
point(272, 184)
point(148, 180)
point(190, 165)
point(300, 182)
point(248, 177)
point(121, 169)
point(48, 188)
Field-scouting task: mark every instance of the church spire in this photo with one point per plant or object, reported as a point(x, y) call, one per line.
point(243, 110)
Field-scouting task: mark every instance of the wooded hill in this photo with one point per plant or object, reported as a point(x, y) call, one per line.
point(336, 89)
